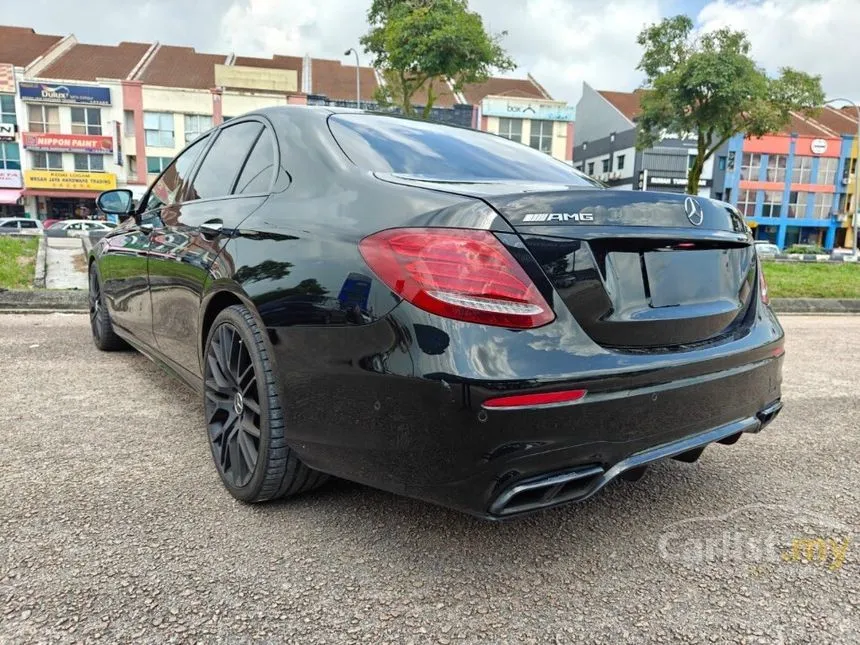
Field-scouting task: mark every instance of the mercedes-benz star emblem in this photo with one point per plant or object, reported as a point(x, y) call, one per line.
point(694, 211)
point(238, 404)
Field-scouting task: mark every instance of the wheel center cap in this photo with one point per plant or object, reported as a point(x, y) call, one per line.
point(238, 403)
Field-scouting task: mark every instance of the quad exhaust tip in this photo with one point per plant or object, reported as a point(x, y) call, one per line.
point(582, 482)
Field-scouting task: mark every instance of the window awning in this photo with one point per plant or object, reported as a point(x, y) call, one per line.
point(66, 194)
point(10, 195)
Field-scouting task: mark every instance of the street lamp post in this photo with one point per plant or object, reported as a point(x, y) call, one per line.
point(349, 51)
point(856, 214)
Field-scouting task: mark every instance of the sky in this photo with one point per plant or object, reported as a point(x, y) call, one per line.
point(560, 42)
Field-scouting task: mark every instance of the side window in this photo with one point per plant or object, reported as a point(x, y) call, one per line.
point(223, 161)
point(256, 176)
point(12, 224)
point(170, 186)
point(26, 224)
point(74, 227)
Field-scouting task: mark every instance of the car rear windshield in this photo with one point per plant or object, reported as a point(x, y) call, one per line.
point(431, 151)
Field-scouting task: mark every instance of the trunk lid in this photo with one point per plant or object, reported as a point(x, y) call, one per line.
point(638, 270)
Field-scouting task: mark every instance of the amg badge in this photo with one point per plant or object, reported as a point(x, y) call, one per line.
point(558, 217)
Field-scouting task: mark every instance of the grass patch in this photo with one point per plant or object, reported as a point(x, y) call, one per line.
point(812, 280)
point(17, 261)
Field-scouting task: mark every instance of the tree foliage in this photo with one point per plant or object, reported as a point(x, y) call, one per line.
point(421, 43)
point(709, 87)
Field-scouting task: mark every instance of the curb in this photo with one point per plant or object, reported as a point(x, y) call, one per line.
point(816, 305)
point(784, 257)
point(44, 300)
point(41, 264)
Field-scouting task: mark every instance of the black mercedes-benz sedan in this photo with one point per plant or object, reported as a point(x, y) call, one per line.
point(434, 311)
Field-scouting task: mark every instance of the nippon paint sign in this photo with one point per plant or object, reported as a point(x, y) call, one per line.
point(512, 108)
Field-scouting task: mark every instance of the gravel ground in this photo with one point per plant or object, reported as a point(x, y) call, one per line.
point(114, 527)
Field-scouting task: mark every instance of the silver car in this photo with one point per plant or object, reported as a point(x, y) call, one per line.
point(22, 225)
point(766, 249)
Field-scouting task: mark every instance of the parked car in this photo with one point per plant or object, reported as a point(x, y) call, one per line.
point(434, 311)
point(80, 227)
point(837, 253)
point(23, 225)
point(766, 249)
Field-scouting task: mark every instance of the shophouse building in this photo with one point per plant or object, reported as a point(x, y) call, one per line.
point(77, 119)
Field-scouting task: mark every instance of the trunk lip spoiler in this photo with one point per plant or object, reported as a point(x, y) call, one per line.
point(627, 231)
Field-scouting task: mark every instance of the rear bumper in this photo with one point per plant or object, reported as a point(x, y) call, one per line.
point(583, 482)
point(374, 405)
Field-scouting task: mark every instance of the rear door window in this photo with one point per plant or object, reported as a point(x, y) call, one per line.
point(30, 224)
point(432, 151)
point(223, 161)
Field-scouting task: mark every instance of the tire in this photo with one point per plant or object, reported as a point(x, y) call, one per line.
point(244, 420)
point(104, 336)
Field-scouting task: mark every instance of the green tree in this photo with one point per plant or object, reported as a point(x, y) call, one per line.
point(422, 43)
point(708, 87)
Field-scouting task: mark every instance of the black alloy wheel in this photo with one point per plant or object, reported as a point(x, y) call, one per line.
point(244, 420)
point(232, 406)
point(95, 303)
point(103, 334)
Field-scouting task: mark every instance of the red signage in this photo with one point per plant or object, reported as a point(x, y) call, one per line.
point(67, 142)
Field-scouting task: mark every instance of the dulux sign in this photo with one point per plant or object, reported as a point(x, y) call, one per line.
point(525, 109)
point(52, 93)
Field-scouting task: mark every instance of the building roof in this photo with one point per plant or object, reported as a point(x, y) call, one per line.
point(628, 103)
point(21, 46)
point(516, 87)
point(89, 62)
point(181, 67)
point(277, 61)
point(335, 80)
point(443, 95)
point(837, 120)
point(804, 127)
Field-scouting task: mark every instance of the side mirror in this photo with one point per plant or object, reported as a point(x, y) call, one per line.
point(116, 202)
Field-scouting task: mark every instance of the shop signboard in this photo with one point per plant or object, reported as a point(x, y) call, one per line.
point(57, 180)
point(47, 142)
point(672, 181)
point(58, 93)
point(525, 109)
point(7, 131)
point(10, 178)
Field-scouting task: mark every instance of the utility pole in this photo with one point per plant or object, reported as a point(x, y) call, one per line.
point(349, 51)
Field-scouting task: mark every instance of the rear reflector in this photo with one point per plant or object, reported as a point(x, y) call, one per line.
point(456, 273)
point(544, 399)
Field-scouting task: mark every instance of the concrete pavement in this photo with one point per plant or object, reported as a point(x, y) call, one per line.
point(62, 271)
point(114, 527)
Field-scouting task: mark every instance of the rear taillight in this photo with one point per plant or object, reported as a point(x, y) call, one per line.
point(461, 274)
point(762, 285)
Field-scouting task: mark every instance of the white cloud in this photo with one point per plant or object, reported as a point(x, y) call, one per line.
point(815, 36)
point(322, 28)
point(560, 42)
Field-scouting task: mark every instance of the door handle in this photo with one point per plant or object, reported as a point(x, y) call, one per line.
point(212, 228)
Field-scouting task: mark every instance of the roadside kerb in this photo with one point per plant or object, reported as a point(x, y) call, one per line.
point(41, 263)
